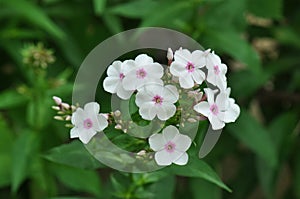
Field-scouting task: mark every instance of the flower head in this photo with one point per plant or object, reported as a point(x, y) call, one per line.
point(157, 100)
point(141, 71)
point(216, 70)
point(187, 66)
point(219, 110)
point(87, 122)
point(114, 82)
point(170, 146)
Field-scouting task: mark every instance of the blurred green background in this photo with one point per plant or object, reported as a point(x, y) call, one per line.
point(257, 157)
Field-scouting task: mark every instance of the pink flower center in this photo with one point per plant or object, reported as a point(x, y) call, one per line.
point(121, 76)
point(190, 67)
point(141, 73)
point(87, 123)
point(157, 99)
point(214, 109)
point(170, 147)
point(216, 69)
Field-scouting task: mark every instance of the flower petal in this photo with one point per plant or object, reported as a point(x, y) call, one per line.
point(155, 70)
point(203, 108)
point(123, 94)
point(147, 111)
point(210, 95)
point(198, 76)
point(182, 160)
point(183, 142)
point(111, 84)
point(169, 133)
point(232, 113)
point(91, 108)
point(102, 122)
point(78, 117)
point(162, 158)
point(143, 59)
point(114, 69)
point(166, 111)
point(156, 142)
point(86, 135)
point(186, 81)
point(170, 94)
point(215, 122)
point(74, 132)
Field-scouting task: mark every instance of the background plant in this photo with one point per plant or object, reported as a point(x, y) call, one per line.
point(257, 157)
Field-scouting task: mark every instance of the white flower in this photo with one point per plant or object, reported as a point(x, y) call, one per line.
point(196, 95)
point(170, 146)
point(87, 122)
point(157, 100)
point(142, 71)
point(216, 70)
point(218, 111)
point(187, 66)
point(113, 83)
point(232, 110)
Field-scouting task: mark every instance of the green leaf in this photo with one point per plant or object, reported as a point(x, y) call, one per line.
point(113, 23)
point(79, 179)
point(200, 186)
point(99, 6)
point(135, 9)
point(167, 14)
point(73, 154)
point(296, 183)
point(29, 11)
point(23, 150)
point(266, 8)
point(5, 169)
point(163, 188)
point(231, 42)
point(11, 99)
point(255, 136)
point(197, 168)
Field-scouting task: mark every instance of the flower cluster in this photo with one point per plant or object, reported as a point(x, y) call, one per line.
point(161, 93)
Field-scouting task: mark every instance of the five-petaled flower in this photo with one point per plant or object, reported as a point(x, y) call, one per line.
point(188, 67)
point(219, 110)
point(113, 83)
point(170, 146)
point(87, 122)
point(141, 71)
point(155, 99)
point(216, 70)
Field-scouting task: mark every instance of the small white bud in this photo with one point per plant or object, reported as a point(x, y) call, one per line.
point(170, 54)
point(191, 120)
point(65, 106)
point(118, 126)
point(141, 153)
point(117, 113)
point(55, 108)
point(57, 100)
point(60, 118)
point(68, 118)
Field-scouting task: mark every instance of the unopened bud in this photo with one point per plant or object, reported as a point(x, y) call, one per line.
point(191, 120)
point(141, 153)
point(57, 100)
point(117, 113)
point(68, 118)
point(60, 118)
point(106, 115)
point(56, 108)
point(118, 126)
point(65, 106)
point(73, 108)
point(170, 54)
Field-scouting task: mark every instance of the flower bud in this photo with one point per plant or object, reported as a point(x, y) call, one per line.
point(65, 106)
point(57, 100)
point(56, 108)
point(170, 54)
point(118, 126)
point(117, 113)
point(60, 118)
point(68, 118)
